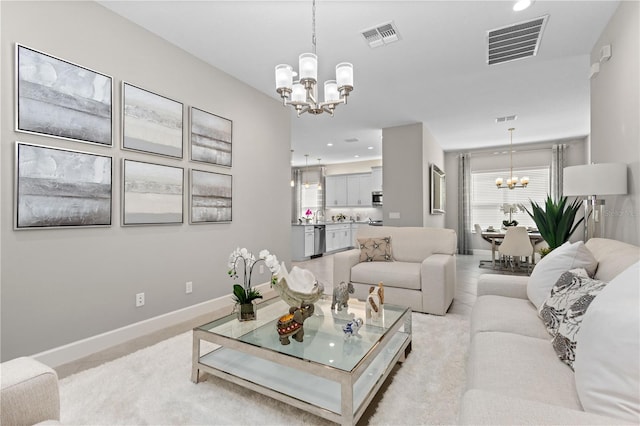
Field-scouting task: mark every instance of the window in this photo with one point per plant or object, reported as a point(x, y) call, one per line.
point(490, 206)
point(311, 199)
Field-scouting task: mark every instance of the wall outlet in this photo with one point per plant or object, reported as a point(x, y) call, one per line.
point(188, 287)
point(262, 269)
point(394, 215)
point(139, 300)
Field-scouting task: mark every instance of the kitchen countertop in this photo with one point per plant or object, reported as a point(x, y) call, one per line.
point(346, 222)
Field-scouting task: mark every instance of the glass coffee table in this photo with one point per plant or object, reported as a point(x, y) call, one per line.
point(327, 374)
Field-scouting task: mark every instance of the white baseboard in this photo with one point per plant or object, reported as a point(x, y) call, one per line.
point(82, 348)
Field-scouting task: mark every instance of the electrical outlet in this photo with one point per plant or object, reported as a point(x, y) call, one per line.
point(188, 287)
point(262, 269)
point(139, 300)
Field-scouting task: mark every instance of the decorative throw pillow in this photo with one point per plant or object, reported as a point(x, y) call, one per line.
point(607, 365)
point(563, 295)
point(375, 249)
point(564, 258)
point(566, 339)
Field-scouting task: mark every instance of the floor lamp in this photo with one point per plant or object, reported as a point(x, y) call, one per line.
point(591, 180)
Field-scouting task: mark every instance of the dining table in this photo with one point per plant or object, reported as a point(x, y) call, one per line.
point(496, 235)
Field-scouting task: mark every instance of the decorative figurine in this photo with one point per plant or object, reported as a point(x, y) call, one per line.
point(351, 328)
point(341, 295)
point(381, 292)
point(292, 324)
point(373, 305)
point(298, 287)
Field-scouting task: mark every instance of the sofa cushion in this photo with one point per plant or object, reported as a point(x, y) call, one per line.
point(607, 366)
point(545, 274)
point(613, 257)
point(563, 295)
point(375, 249)
point(565, 340)
point(392, 274)
point(520, 367)
point(506, 314)
point(414, 244)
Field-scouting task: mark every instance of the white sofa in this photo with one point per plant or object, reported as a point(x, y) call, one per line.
point(514, 375)
point(29, 393)
point(422, 274)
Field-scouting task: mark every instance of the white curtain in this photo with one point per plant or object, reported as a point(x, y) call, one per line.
point(464, 204)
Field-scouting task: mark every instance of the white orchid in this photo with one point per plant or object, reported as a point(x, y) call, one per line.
point(249, 261)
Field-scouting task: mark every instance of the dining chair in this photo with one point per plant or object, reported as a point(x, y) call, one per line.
point(516, 245)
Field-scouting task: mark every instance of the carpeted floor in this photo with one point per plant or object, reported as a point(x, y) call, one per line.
point(152, 387)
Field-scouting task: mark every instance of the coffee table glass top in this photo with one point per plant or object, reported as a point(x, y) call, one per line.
point(324, 342)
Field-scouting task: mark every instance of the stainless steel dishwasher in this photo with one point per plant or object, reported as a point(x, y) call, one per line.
point(318, 240)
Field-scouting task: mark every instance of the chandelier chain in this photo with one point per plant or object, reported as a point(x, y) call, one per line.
point(313, 27)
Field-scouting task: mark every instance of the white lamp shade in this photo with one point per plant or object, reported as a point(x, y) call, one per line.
point(595, 179)
point(284, 76)
point(298, 94)
point(344, 74)
point(308, 66)
point(331, 91)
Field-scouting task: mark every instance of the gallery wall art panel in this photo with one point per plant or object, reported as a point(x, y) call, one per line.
point(151, 123)
point(210, 195)
point(61, 188)
point(210, 138)
point(61, 99)
point(152, 193)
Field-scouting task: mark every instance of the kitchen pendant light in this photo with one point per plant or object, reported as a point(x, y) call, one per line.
point(512, 181)
point(303, 94)
point(306, 167)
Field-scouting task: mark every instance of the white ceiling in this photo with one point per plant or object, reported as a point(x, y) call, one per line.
point(436, 74)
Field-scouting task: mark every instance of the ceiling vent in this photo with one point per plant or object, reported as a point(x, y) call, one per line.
point(351, 140)
point(506, 118)
point(515, 41)
point(381, 34)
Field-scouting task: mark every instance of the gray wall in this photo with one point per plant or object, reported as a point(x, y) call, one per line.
point(407, 151)
point(62, 285)
point(615, 108)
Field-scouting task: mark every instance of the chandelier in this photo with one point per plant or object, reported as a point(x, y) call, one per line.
point(303, 94)
point(512, 181)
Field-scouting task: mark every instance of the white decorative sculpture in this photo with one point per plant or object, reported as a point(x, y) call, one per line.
point(298, 287)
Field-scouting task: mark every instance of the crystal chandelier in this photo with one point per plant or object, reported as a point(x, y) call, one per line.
point(512, 181)
point(303, 94)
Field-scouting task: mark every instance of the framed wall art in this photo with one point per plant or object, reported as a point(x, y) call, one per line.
point(210, 197)
point(210, 138)
point(61, 99)
point(57, 187)
point(437, 177)
point(151, 123)
point(152, 193)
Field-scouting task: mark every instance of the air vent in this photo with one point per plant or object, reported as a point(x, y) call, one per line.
point(381, 34)
point(515, 41)
point(506, 118)
point(351, 140)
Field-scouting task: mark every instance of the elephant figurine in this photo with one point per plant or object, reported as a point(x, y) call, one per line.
point(351, 328)
point(341, 295)
point(292, 324)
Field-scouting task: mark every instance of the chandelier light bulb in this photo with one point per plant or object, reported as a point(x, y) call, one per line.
point(344, 74)
point(299, 94)
point(284, 76)
point(308, 67)
point(331, 91)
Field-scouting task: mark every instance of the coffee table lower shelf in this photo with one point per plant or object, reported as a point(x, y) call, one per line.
point(304, 390)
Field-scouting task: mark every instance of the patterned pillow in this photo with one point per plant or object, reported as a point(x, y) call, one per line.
point(375, 249)
point(565, 340)
point(563, 295)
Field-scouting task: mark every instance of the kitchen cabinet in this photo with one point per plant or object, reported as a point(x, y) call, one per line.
point(376, 178)
point(302, 242)
point(338, 236)
point(336, 191)
point(352, 190)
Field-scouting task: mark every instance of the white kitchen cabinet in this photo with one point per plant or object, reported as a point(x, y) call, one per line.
point(302, 242)
point(309, 241)
point(376, 178)
point(337, 237)
point(336, 191)
point(359, 190)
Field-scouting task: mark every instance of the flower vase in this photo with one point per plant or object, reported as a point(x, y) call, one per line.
point(247, 312)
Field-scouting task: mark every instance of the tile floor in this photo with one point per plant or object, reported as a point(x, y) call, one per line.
point(322, 267)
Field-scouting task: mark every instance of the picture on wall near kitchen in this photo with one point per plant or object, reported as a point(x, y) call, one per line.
point(61, 188)
point(152, 193)
point(151, 123)
point(61, 99)
point(210, 138)
point(210, 195)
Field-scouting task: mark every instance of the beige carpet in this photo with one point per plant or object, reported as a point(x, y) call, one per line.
point(153, 387)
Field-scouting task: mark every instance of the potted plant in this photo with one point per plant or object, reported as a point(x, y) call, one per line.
point(244, 295)
point(556, 221)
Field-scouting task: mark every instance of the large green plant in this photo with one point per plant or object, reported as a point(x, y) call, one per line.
point(556, 221)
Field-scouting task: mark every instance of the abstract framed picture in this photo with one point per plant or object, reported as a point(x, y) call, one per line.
point(60, 188)
point(151, 123)
point(210, 197)
point(152, 193)
point(210, 138)
point(61, 99)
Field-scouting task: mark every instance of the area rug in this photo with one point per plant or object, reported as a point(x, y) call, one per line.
point(152, 387)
